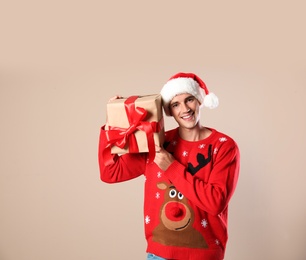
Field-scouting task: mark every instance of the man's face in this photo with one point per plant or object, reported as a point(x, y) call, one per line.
point(185, 109)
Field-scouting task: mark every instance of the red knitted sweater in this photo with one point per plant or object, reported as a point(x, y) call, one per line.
point(186, 206)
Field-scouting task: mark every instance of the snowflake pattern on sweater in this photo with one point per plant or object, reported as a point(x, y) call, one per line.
point(186, 206)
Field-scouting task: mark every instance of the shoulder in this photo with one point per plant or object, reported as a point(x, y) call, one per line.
point(170, 134)
point(223, 139)
point(225, 146)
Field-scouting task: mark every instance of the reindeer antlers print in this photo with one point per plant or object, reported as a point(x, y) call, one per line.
point(202, 161)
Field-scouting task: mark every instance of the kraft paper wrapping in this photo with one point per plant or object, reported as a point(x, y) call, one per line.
point(117, 117)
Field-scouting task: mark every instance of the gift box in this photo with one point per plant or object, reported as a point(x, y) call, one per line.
point(135, 124)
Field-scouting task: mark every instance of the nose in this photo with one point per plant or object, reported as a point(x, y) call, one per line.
point(186, 109)
point(175, 211)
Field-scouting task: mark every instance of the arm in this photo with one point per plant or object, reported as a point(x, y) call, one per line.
point(123, 168)
point(211, 196)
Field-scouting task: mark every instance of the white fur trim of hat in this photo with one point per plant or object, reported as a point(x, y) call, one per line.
point(190, 83)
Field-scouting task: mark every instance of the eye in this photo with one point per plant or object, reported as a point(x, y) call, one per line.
point(180, 196)
point(174, 105)
point(190, 99)
point(172, 193)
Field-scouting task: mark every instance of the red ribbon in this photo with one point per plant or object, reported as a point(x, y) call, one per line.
point(121, 136)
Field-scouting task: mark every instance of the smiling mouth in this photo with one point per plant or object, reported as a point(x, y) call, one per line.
point(184, 225)
point(189, 116)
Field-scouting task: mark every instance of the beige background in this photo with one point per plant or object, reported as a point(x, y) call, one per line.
point(60, 61)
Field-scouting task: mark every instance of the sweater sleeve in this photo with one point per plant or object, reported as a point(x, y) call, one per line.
point(211, 196)
point(123, 168)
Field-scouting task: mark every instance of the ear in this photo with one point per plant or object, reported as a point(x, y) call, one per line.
point(162, 185)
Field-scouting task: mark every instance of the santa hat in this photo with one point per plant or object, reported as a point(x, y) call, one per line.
point(190, 83)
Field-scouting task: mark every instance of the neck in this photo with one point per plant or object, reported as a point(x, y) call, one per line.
point(194, 134)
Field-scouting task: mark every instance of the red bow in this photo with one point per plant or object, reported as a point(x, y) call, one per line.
point(121, 136)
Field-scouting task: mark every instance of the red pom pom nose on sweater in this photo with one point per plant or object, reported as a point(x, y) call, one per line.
point(175, 211)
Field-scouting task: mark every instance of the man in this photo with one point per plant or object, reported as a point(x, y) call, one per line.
point(191, 181)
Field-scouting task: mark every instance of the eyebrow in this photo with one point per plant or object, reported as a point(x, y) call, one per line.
point(190, 96)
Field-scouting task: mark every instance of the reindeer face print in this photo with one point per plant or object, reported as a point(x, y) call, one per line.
point(176, 219)
point(175, 213)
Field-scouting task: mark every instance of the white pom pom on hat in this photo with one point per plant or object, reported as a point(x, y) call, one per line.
point(190, 83)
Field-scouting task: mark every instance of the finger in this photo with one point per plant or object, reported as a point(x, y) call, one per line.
point(115, 97)
point(157, 148)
